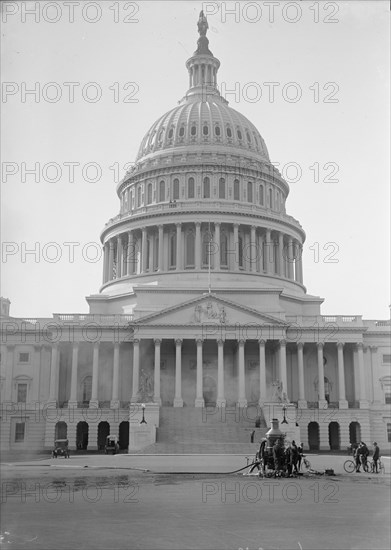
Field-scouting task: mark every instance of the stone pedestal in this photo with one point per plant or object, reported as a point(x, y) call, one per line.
point(141, 435)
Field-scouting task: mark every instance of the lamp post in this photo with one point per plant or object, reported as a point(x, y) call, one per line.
point(284, 421)
point(143, 421)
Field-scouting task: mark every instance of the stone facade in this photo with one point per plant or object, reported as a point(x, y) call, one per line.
point(202, 303)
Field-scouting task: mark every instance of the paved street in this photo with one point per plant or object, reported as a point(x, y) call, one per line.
point(102, 502)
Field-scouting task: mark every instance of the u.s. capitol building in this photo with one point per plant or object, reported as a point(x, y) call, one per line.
point(202, 307)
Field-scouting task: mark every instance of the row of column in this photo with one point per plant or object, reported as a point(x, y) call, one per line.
point(270, 252)
point(199, 401)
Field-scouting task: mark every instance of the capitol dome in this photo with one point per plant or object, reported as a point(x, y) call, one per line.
point(201, 121)
point(202, 206)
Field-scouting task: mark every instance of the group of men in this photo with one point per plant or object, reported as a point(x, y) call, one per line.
point(283, 460)
point(361, 453)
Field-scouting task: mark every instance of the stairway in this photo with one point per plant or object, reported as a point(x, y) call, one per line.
point(191, 430)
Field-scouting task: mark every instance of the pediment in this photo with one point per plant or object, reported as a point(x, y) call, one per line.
point(210, 309)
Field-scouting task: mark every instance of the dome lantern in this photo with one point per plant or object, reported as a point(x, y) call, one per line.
point(203, 66)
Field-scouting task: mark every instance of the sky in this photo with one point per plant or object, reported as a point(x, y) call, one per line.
point(104, 73)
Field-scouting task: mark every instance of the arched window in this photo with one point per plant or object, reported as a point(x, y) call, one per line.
point(239, 135)
point(224, 249)
point(221, 188)
point(193, 130)
point(160, 137)
point(149, 193)
point(182, 131)
point(270, 198)
point(175, 193)
point(172, 251)
point(248, 136)
point(240, 251)
point(236, 190)
point(249, 191)
point(256, 141)
point(162, 191)
point(229, 132)
point(190, 188)
point(206, 188)
point(138, 196)
point(86, 389)
point(217, 130)
point(205, 130)
point(261, 195)
point(190, 249)
point(170, 133)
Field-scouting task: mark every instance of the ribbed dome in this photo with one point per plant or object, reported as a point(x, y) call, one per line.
point(203, 121)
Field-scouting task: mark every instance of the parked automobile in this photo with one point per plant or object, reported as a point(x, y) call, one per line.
point(61, 448)
point(112, 445)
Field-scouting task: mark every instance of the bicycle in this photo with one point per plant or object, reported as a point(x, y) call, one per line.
point(349, 466)
point(380, 467)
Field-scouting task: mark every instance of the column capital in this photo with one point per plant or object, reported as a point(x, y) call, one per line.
point(217, 223)
point(319, 345)
point(75, 345)
point(235, 225)
point(373, 349)
point(300, 345)
point(178, 224)
point(220, 341)
point(111, 244)
point(262, 342)
point(119, 238)
point(157, 341)
point(160, 226)
point(197, 224)
point(241, 342)
point(282, 342)
point(136, 341)
point(340, 345)
point(360, 346)
point(96, 344)
point(178, 341)
point(199, 341)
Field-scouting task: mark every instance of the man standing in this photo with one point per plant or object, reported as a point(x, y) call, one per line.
point(376, 456)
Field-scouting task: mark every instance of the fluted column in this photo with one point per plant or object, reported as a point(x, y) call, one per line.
point(161, 247)
point(178, 246)
point(343, 404)
point(111, 260)
point(253, 249)
point(130, 254)
point(94, 401)
point(221, 401)
point(136, 370)
point(105, 262)
point(75, 357)
point(115, 390)
point(242, 401)
point(262, 373)
point(156, 391)
point(144, 250)
point(119, 257)
point(363, 393)
point(216, 250)
point(53, 388)
point(299, 264)
point(236, 247)
point(282, 362)
point(290, 258)
point(178, 401)
point(281, 255)
point(321, 394)
point(269, 253)
point(199, 402)
point(198, 251)
point(302, 403)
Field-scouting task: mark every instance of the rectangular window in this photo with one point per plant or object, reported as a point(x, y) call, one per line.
point(387, 358)
point(22, 393)
point(19, 431)
point(24, 357)
point(388, 398)
point(389, 432)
